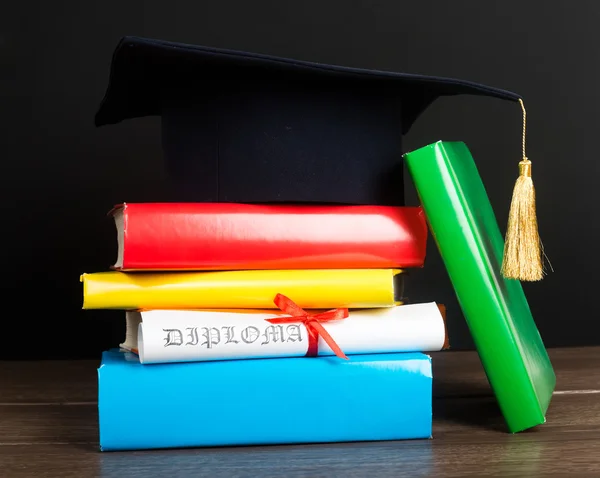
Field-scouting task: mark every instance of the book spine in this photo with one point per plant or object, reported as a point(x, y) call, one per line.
point(191, 336)
point(312, 289)
point(206, 236)
point(264, 401)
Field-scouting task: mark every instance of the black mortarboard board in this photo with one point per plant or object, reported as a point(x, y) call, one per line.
point(245, 127)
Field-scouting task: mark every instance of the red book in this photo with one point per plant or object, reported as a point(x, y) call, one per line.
point(229, 236)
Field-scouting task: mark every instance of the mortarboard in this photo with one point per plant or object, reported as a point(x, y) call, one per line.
point(251, 128)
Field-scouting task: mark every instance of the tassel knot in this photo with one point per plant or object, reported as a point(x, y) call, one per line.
point(525, 168)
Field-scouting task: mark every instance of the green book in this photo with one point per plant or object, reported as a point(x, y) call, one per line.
point(464, 227)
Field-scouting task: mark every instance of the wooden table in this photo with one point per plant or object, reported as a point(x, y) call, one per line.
point(48, 427)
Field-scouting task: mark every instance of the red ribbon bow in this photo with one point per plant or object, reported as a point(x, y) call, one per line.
point(312, 324)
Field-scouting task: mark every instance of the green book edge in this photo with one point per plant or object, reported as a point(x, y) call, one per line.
point(465, 229)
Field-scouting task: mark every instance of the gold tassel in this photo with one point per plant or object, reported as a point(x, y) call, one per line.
point(522, 247)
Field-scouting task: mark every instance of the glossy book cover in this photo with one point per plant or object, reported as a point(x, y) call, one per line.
point(263, 401)
point(311, 289)
point(464, 227)
point(230, 236)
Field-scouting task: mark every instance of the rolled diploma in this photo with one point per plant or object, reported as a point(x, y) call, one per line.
point(191, 336)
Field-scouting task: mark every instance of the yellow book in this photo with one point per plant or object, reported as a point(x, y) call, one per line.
point(311, 289)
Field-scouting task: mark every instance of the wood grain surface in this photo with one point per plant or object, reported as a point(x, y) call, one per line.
point(48, 427)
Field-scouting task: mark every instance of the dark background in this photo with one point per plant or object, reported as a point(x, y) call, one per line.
point(60, 175)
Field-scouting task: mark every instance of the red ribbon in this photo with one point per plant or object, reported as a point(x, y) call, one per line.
point(312, 324)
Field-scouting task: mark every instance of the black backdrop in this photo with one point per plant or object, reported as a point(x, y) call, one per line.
point(60, 175)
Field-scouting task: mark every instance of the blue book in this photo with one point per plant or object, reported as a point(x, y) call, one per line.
point(262, 401)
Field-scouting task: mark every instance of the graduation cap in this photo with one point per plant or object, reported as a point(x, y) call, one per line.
point(251, 128)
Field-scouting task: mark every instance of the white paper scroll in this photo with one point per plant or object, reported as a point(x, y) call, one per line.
point(191, 336)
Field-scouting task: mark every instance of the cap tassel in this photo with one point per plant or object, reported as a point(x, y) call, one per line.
point(522, 247)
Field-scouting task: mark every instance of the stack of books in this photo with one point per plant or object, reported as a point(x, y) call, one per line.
point(263, 324)
point(284, 322)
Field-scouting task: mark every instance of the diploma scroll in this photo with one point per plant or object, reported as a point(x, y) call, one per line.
point(165, 336)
